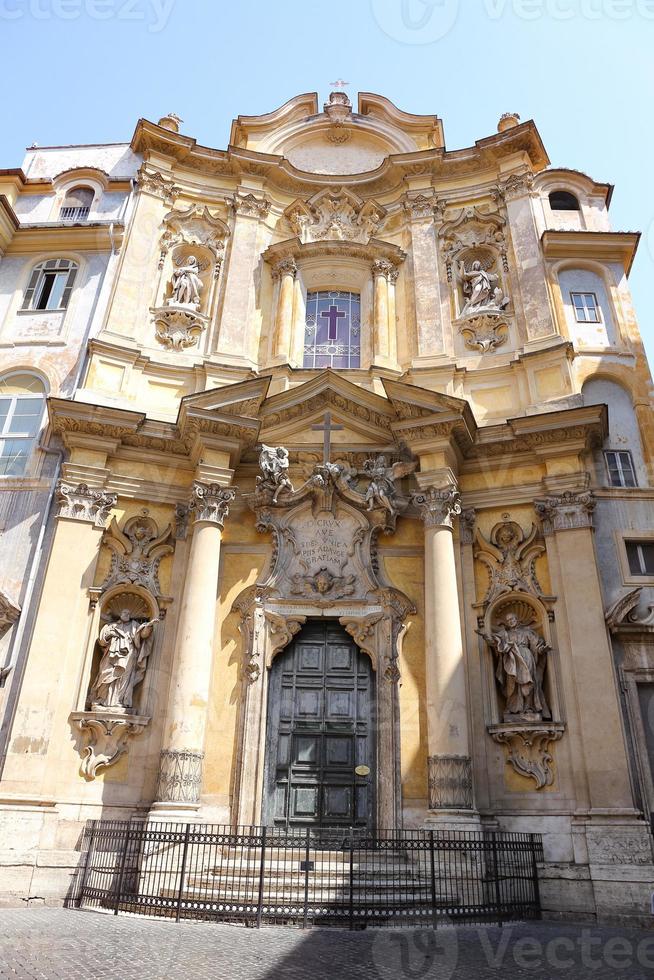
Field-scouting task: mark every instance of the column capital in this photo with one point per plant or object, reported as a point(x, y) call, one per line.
point(285, 267)
point(210, 502)
point(385, 268)
point(566, 511)
point(438, 507)
point(84, 503)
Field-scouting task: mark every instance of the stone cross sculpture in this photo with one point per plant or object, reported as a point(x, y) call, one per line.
point(521, 659)
point(126, 648)
point(186, 283)
point(274, 465)
point(480, 289)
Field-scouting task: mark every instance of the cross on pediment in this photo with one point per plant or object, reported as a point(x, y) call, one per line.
point(339, 84)
point(327, 428)
point(333, 315)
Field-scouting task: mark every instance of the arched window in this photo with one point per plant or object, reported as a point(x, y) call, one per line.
point(332, 336)
point(77, 204)
point(50, 285)
point(22, 398)
point(622, 464)
point(563, 201)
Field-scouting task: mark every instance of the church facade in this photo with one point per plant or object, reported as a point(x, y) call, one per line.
point(353, 520)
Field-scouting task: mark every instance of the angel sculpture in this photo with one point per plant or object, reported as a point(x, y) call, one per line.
point(274, 465)
point(480, 289)
point(381, 490)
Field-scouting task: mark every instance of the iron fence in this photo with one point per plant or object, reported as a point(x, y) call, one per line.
point(259, 875)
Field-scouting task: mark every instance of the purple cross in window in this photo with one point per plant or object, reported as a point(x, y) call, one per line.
point(333, 315)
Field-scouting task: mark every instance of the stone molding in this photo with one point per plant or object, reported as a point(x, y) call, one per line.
point(467, 525)
point(510, 557)
point(210, 503)
point(157, 185)
point(386, 269)
point(438, 507)
point(622, 616)
point(137, 551)
point(566, 511)
point(250, 206)
point(285, 267)
point(180, 776)
point(84, 503)
point(450, 782)
point(177, 329)
point(335, 215)
point(529, 749)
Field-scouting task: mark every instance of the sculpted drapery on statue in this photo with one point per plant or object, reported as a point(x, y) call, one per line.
point(480, 289)
point(126, 648)
point(274, 465)
point(186, 283)
point(381, 490)
point(521, 660)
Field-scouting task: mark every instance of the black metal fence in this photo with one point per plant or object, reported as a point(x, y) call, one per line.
point(256, 875)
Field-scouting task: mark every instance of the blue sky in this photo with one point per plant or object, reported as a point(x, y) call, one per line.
point(83, 71)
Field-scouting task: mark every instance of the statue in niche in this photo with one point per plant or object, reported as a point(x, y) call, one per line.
point(186, 283)
point(274, 464)
point(521, 659)
point(480, 289)
point(126, 647)
point(381, 490)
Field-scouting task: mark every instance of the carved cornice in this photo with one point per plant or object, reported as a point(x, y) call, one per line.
point(370, 252)
point(566, 511)
point(335, 215)
point(209, 503)
point(438, 507)
point(82, 503)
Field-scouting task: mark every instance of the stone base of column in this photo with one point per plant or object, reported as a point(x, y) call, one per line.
point(179, 787)
point(174, 813)
point(452, 820)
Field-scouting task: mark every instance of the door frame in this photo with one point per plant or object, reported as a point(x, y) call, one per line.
point(268, 626)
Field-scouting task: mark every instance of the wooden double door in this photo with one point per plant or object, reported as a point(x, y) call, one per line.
point(320, 745)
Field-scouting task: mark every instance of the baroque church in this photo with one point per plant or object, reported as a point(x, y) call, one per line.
point(326, 489)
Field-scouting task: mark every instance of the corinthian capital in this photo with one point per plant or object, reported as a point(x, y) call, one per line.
point(385, 268)
point(566, 511)
point(84, 503)
point(438, 508)
point(285, 267)
point(210, 502)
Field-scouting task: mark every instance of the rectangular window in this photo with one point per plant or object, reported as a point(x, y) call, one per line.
point(586, 307)
point(332, 336)
point(621, 469)
point(640, 555)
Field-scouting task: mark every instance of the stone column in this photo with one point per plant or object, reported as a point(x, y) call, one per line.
point(450, 768)
point(381, 269)
point(430, 342)
point(588, 674)
point(285, 271)
point(180, 772)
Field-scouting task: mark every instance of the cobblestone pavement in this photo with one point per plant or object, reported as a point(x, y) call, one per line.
point(49, 944)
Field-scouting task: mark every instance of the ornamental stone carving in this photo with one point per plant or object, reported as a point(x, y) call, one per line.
point(250, 206)
point(566, 511)
point(196, 226)
point(338, 109)
point(484, 332)
point(180, 776)
point(335, 215)
point(420, 206)
point(625, 615)
point(137, 552)
point(529, 749)
point(156, 184)
point(83, 503)
point(388, 270)
point(510, 557)
point(481, 288)
point(285, 267)
point(517, 185)
point(382, 490)
point(210, 502)
point(125, 645)
point(107, 738)
point(178, 329)
point(438, 508)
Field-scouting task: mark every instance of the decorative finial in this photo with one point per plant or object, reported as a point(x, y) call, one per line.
point(508, 120)
point(170, 121)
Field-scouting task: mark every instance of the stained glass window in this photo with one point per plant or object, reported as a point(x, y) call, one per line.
point(333, 330)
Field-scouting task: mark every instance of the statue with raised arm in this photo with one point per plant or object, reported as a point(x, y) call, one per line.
point(481, 289)
point(382, 491)
point(126, 647)
point(521, 659)
point(186, 283)
point(274, 464)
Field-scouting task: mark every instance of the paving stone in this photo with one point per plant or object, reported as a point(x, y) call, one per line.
point(65, 944)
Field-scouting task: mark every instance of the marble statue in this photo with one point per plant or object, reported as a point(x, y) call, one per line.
point(521, 655)
point(126, 647)
point(480, 289)
point(186, 283)
point(381, 490)
point(274, 465)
